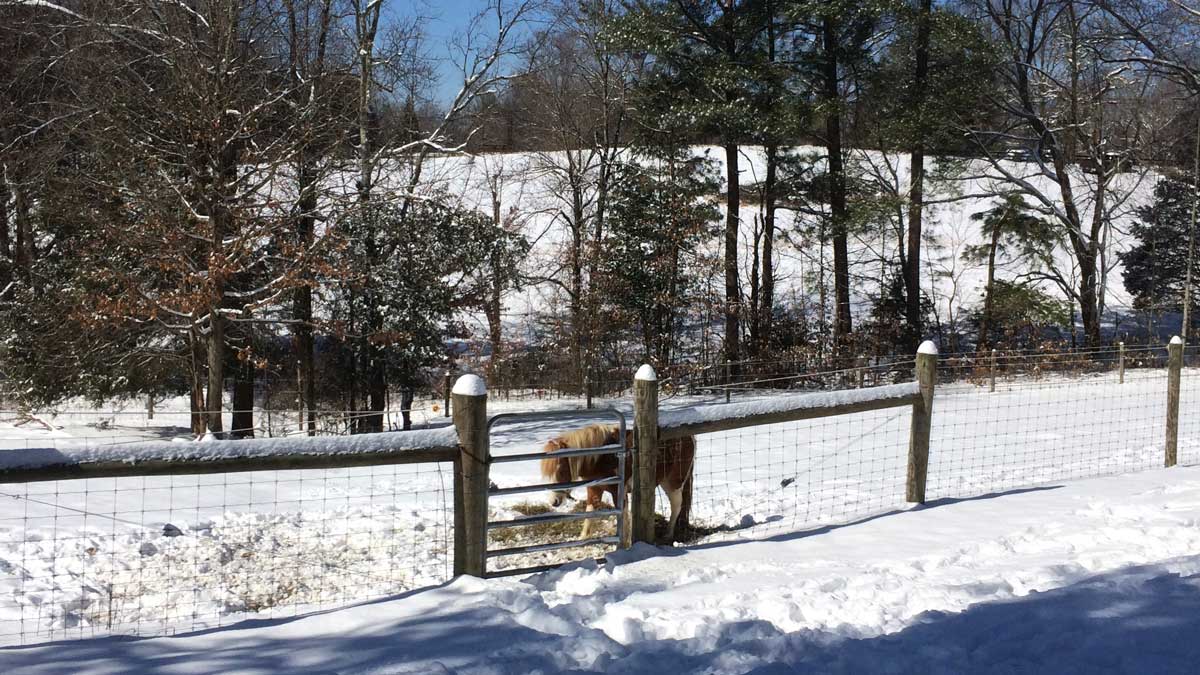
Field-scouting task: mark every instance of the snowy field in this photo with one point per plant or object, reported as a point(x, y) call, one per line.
point(163, 555)
point(533, 186)
point(1101, 575)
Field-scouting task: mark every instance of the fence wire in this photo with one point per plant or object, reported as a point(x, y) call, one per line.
point(1045, 431)
point(797, 475)
point(1052, 417)
point(160, 555)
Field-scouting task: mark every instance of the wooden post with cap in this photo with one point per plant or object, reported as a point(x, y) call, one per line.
point(1174, 366)
point(471, 476)
point(645, 407)
point(922, 420)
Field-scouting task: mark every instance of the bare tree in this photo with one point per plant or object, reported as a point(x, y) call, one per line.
point(1076, 121)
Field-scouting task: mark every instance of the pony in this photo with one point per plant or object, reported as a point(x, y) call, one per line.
point(673, 471)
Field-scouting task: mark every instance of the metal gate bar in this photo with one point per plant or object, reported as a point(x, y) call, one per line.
point(552, 487)
point(617, 449)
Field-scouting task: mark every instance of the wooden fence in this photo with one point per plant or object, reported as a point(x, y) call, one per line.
point(466, 444)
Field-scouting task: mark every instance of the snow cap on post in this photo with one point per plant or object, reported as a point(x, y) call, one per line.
point(927, 347)
point(1176, 340)
point(470, 385)
point(646, 373)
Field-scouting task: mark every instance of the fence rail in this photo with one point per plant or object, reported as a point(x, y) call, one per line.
point(219, 456)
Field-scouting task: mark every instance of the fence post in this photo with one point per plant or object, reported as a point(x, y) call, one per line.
point(645, 418)
point(862, 370)
point(728, 378)
point(1120, 363)
point(992, 383)
point(587, 387)
point(922, 418)
point(446, 395)
point(1174, 366)
point(471, 476)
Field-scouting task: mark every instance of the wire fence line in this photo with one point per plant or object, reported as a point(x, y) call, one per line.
point(165, 537)
point(1001, 422)
point(158, 554)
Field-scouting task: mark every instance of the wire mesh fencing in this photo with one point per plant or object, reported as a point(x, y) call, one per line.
point(166, 554)
point(1049, 416)
point(793, 476)
point(1028, 435)
point(158, 555)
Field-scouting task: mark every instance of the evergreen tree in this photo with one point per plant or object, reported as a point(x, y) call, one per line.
point(707, 59)
point(396, 306)
point(659, 216)
point(1156, 268)
point(1015, 233)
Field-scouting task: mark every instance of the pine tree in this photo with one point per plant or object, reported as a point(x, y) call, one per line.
point(706, 60)
point(1016, 234)
point(1156, 268)
point(659, 216)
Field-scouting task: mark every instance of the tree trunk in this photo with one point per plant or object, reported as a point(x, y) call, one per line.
point(842, 325)
point(5, 246)
point(1087, 302)
point(732, 225)
point(216, 370)
point(376, 390)
point(767, 300)
point(242, 420)
point(985, 322)
point(494, 305)
point(407, 394)
point(753, 304)
point(305, 345)
point(366, 20)
point(199, 422)
point(916, 204)
point(21, 257)
point(583, 262)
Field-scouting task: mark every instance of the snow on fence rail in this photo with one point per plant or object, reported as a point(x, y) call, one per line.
point(223, 456)
point(792, 408)
point(160, 537)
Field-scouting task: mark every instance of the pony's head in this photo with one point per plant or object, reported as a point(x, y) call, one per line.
point(558, 470)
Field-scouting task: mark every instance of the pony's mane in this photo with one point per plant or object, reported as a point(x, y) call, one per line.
point(592, 436)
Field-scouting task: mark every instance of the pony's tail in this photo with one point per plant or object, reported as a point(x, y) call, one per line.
point(550, 464)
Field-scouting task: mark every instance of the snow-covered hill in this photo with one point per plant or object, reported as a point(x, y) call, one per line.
point(531, 192)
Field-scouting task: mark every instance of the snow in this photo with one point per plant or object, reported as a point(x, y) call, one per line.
point(208, 450)
point(646, 373)
point(89, 557)
point(1092, 576)
point(1176, 340)
point(927, 347)
point(470, 385)
point(528, 184)
point(700, 414)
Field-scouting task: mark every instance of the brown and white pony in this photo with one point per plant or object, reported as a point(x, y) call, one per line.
point(673, 471)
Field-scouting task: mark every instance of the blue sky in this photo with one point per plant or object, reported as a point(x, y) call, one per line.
point(445, 19)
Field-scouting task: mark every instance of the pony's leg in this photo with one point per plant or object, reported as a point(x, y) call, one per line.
point(676, 498)
point(593, 496)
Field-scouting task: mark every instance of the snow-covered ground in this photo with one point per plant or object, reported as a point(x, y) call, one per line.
point(162, 555)
point(1101, 575)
